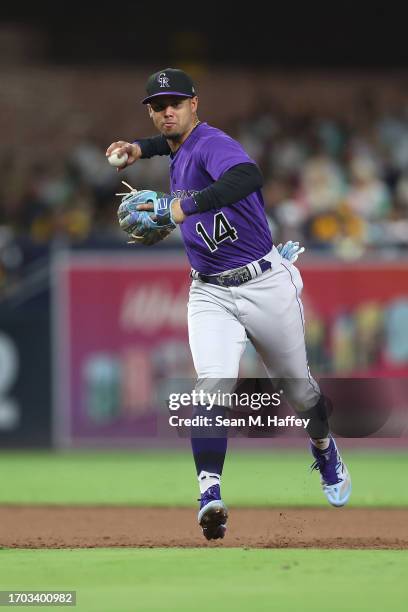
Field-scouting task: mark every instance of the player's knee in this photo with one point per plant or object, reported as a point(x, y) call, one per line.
point(302, 398)
point(215, 390)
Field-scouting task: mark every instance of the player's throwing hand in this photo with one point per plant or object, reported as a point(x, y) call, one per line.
point(120, 147)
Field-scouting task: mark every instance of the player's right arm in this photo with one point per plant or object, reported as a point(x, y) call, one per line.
point(131, 148)
point(143, 148)
point(150, 147)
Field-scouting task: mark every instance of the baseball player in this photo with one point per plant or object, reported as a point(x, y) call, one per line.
point(242, 286)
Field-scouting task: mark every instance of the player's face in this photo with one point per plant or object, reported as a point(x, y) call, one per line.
point(173, 116)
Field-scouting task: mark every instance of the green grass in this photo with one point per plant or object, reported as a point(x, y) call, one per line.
point(168, 478)
point(214, 579)
point(118, 580)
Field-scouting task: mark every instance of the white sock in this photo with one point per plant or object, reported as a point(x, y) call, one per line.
point(321, 443)
point(207, 480)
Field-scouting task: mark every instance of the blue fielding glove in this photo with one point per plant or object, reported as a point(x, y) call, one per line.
point(132, 220)
point(290, 250)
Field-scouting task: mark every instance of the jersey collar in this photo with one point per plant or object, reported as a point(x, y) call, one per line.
point(190, 141)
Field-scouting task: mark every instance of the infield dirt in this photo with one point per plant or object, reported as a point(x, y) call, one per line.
point(101, 526)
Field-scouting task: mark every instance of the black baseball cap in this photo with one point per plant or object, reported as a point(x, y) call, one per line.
point(169, 82)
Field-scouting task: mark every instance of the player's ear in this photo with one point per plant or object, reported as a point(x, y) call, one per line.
point(194, 104)
point(149, 110)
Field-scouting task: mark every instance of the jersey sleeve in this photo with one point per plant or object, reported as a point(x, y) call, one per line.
point(220, 153)
point(234, 185)
point(156, 145)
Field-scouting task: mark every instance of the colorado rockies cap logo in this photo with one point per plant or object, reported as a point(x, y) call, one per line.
point(163, 80)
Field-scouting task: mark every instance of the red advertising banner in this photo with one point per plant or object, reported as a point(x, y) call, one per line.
point(121, 328)
point(121, 336)
point(357, 318)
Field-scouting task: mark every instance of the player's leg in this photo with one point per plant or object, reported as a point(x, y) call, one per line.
point(217, 341)
point(272, 313)
point(275, 324)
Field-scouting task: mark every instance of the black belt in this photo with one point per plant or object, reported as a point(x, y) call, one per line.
point(234, 278)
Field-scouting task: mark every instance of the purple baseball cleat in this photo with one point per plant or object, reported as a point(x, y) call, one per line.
point(213, 514)
point(335, 479)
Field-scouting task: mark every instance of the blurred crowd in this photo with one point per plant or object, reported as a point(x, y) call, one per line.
point(336, 183)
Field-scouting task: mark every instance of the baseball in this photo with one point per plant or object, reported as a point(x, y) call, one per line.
point(117, 161)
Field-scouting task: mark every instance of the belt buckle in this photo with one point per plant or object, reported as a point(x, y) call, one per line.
point(235, 278)
point(244, 276)
point(221, 280)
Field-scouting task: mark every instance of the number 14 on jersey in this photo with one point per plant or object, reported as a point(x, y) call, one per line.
point(222, 230)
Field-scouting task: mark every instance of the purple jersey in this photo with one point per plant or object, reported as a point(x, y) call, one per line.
point(218, 239)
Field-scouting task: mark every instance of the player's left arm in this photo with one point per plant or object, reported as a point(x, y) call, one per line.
point(234, 185)
point(234, 175)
